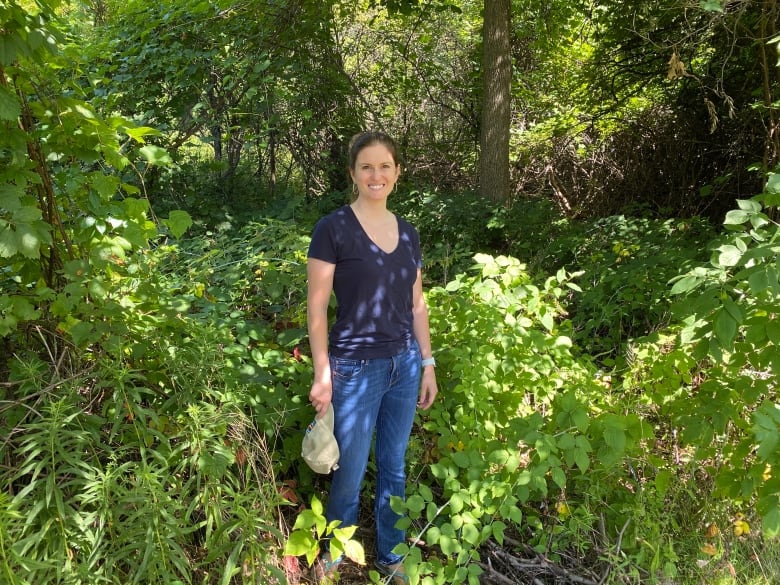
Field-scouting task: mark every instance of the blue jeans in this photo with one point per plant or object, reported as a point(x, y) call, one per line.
point(373, 395)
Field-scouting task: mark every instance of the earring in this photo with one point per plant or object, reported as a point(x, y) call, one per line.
point(355, 189)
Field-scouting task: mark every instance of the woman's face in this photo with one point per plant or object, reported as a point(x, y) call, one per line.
point(375, 172)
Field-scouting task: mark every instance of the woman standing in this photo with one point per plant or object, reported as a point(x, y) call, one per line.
point(375, 364)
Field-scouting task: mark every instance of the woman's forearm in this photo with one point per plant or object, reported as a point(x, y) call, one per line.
point(318, 341)
point(422, 330)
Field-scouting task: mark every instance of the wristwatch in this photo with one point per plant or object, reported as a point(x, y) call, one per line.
point(428, 362)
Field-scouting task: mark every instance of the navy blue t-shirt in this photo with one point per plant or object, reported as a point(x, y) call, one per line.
point(373, 288)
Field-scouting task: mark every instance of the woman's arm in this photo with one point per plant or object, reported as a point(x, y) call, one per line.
point(422, 333)
point(320, 279)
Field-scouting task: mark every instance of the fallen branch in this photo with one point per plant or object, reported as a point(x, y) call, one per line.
point(510, 568)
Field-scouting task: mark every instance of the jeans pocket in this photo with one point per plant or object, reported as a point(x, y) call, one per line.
point(346, 369)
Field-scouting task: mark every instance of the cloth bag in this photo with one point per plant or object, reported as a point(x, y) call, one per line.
point(320, 449)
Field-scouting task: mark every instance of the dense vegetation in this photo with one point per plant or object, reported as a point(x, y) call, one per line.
point(606, 333)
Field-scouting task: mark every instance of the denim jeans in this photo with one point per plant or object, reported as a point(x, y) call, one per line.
point(373, 395)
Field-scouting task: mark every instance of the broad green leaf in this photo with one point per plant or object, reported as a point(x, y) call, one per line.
point(10, 109)
point(416, 503)
point(178, 222)
point(734, 310)
point(27, 214)
point(758, 220)
point(689, 334)
point(81, 332)
point(11, 196)
point(355, 552)
point(773, 183)
point(105, 185)
point(139, 132)
point(24, 309)
point(524, 478)
point(497, 529)
point(547, 320)
point(663, 480)
point(766, 428)
point(11, 46)
point(729, 255)
point(758, 281)
point(685, 284)
point(471, 534)
point(749, 205)
point(725, 328)
point(558, 476)
point(7, 242)
point(433, 534)
point(345, 533)
point(299, 543)
point(581, 459)
point(770, 523)
point(449, 545)
point(461, 459)
point(516, 515)
point(773, 331)
point(736, 217)
point(457, 503)
point(615, 437)
point(29, 239)
point(155, 155)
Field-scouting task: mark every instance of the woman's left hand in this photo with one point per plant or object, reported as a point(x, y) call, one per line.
point(428, 388)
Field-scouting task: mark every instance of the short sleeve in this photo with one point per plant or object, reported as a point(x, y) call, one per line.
point(323, 242)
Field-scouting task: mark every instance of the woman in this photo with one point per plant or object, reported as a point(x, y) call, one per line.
point(375, 365)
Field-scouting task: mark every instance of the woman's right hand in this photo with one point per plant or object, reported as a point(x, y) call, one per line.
point(320, 396)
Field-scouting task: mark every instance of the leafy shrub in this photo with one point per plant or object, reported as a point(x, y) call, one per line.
point(453, 227)
point(731, 326)
point(625, 264)
point(521, 421)
point(155, 456)
point(145, 470)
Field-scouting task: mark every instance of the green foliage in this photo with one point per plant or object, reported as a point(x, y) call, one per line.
point(509, 430)
point(134, 474)
point(511, 375)
point(131, 453)
point(68, 221)
point(158, 461)
point(452, 228)
point(153, 386)
point(311, 528)
point(626, 263)
point(732, 322)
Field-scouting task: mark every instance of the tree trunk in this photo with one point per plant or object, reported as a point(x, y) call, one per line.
point(496, 101)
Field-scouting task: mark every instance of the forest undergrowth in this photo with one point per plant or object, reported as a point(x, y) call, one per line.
point(607, 417)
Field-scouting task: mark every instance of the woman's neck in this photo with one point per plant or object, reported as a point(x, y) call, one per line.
point(370, 210)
